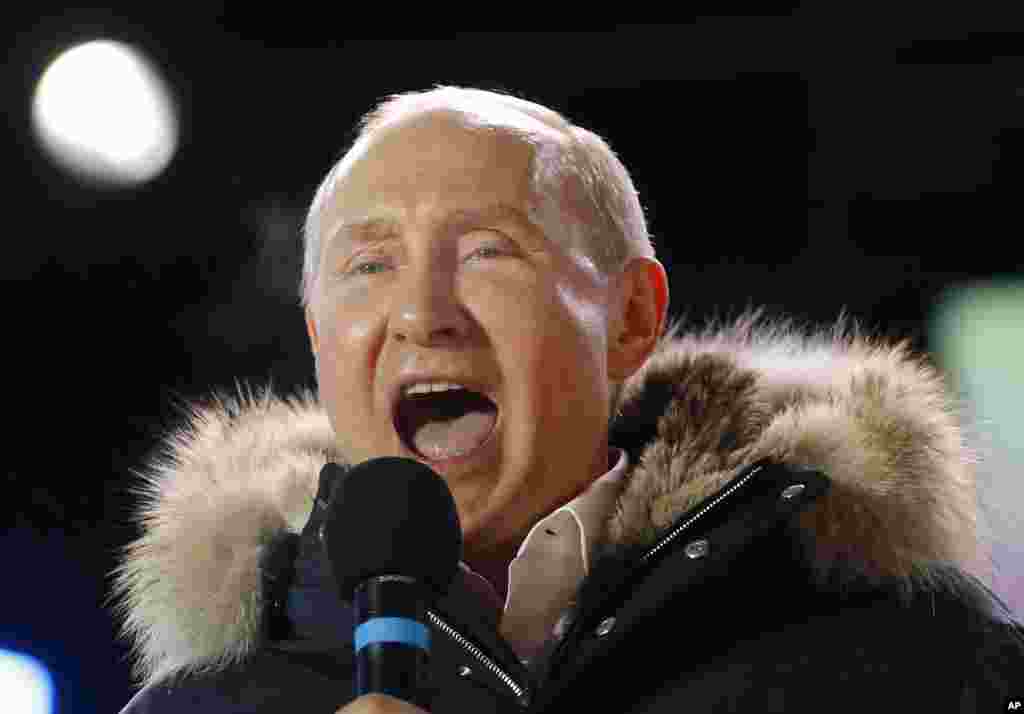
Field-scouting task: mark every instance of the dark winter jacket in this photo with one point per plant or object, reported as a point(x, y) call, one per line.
point(798, 532)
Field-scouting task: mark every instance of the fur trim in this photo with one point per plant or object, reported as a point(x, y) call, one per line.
point(241, 471)
point(873, 417)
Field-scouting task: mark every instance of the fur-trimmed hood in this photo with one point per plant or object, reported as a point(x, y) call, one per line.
point(874, 418)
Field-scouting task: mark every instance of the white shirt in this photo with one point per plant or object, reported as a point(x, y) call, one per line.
point(554, 558)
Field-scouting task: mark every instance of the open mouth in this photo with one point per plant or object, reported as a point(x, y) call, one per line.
point(445, 425)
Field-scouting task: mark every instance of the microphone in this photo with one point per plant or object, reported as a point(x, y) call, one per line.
point(394, 542)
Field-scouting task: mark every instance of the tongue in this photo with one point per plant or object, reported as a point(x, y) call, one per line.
point(446, 438)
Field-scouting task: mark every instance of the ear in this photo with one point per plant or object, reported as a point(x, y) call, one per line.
point(638, 317)
point(314, 335)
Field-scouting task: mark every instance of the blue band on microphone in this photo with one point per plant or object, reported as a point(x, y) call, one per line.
point(392, 629)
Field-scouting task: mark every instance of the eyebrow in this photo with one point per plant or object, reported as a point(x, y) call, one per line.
point(375, 230)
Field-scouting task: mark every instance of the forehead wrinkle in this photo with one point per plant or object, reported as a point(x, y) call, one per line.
point(370, 230)
point(491, 213)
point(365, 230)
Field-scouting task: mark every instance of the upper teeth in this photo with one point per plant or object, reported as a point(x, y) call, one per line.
point(424, 387)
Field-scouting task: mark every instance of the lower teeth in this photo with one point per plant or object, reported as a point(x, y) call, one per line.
point(440, 454)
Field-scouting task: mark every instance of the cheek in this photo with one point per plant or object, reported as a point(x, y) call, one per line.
point(345, 368)
point(551, 343)
point(569, 373)
point(346, 326)
point(340, 356)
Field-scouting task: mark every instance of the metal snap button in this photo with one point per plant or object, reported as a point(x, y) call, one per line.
point(606, 626)
point(792, 492)
point(696, 549)
point(562, 626)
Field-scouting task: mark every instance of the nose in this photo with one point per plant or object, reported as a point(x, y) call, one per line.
point(427, 311)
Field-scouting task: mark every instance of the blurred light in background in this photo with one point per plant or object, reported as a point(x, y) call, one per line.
point(978, 331)
point(25, 685)
point(104, 114)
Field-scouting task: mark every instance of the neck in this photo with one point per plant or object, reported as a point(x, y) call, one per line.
point(494, 568)
point(493, 565)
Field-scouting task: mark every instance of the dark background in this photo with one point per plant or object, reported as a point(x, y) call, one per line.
point(801, 159)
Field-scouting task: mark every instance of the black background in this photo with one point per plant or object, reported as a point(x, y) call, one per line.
point(802, 159)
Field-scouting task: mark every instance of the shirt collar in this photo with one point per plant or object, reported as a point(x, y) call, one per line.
point(592, 507)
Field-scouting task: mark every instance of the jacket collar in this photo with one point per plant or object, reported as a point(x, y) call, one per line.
point(878, 421)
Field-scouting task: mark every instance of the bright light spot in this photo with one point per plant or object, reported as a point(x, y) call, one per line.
point(25, 684)
point(979, 334)
point(103, 113)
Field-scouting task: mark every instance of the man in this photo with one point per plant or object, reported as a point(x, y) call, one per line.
point(746, 519)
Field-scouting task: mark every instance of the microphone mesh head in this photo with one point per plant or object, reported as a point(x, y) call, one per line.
point(392, 516)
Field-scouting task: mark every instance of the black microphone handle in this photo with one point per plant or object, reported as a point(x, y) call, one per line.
point(392, 639)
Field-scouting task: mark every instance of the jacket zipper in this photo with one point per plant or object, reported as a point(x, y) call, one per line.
point(666, 539)
point(519, 691)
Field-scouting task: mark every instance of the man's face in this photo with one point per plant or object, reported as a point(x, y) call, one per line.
point(487, 301)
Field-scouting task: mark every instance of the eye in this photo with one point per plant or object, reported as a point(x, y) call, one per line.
point(495, 245)
point(486, 251)
point(366, 267)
